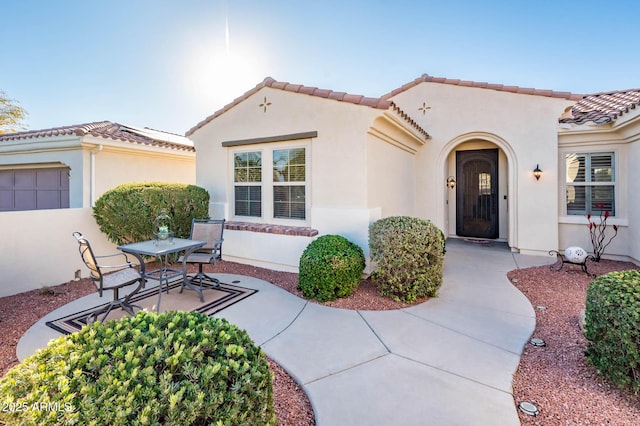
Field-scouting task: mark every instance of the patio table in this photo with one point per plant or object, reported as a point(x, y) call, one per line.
point(162, 249)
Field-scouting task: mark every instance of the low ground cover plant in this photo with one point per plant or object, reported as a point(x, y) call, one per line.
point(174, 368)
point(330, 267)
point(612, 326)
point(409, 254)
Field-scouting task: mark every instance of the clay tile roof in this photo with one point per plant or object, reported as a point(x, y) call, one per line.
point(110, 130)
point(378, 103)
point(603, 108)
point(426, 78)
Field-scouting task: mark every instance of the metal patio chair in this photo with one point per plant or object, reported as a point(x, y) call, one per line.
point(126, 276)
point(209, 230)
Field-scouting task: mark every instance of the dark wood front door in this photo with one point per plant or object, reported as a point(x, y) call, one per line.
point(477, 193)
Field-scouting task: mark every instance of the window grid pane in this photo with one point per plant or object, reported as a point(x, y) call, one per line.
point(247, 167)
point(248, 201)
point(587, 193)
point(575, 168)
point(289, 202)
point(601, 168)
point(289, 165)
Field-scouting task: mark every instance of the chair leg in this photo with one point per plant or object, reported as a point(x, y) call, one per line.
point(117, 302)
point(199, 280)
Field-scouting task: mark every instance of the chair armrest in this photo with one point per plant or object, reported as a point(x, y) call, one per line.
point(128, 264)
point(104, 256)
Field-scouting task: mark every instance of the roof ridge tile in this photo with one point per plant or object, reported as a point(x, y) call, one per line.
point(379, 103)
point(426, 78)
point(100, 129)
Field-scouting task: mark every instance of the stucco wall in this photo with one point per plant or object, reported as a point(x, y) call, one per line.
point(37, 247)
point(523, 126)
point(337, 172)
point(38, 152)
point(391, 178)
point(634, 201)
point(114, 167)
point(621, 138)
point(339, 146)
point(97, 165)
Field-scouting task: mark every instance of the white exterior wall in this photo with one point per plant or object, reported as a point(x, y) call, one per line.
point(524, 127)
point(633, 196)
point(115, 166)
point(62, 150)
point(97, 165)
point(622, 139)
point(339, 146)
point(336, 174)
point(38, 249)
point(391, 179)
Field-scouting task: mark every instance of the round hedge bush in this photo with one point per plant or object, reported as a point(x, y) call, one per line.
point(409, 254)
point(174, 368)
point(330, 267)
point(612, 326)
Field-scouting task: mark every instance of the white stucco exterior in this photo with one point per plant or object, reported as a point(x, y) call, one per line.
point(623, 139)
point(367, 160)
point(37, 247)
point(97, 165)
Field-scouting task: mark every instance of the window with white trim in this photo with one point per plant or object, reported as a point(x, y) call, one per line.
point(271, 183)
point(590, 183)
point(289, 179)
point(247, 177)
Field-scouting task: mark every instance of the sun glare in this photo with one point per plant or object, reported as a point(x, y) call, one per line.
point(217, 74)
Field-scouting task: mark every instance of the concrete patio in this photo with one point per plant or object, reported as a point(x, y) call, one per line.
point(448, 361)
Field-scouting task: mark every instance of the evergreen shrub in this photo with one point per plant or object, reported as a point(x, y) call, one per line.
point(174, 368)
point(125, 214)
point(409, 256)
point(612, 326)
point(330, 267)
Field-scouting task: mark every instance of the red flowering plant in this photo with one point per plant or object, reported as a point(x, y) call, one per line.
point(597, 231)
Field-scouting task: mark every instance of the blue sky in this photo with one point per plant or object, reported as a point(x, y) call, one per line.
point(169, 64)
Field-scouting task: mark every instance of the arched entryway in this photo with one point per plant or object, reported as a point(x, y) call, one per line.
point(477, 204)
point(483, 202)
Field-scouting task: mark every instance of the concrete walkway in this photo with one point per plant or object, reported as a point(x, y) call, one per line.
point(448, 361)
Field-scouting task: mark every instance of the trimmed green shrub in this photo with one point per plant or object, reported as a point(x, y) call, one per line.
point(612, 326)
point(125, 214)
point(409, 254)
point(330, 267)
point(174, 368)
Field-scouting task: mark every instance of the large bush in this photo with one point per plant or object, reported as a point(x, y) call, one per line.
point(612, 326)
point(125, 214)
point(409, 254)
point(330, 267)
point(150, 369)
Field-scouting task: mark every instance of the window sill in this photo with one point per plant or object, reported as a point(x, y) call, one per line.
point(582, 220)
point(298, 231)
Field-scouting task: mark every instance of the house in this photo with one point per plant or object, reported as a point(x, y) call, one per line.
point(49, 181)
point(71, 166)
point(287, 162)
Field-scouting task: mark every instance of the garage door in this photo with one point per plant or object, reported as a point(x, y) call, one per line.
point(34, 189)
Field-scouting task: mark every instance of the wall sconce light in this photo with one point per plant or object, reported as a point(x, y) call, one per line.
point(537, 172)
point(451, 182)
